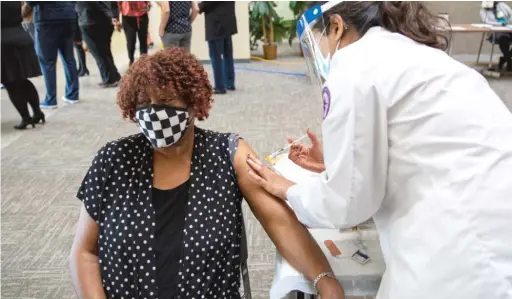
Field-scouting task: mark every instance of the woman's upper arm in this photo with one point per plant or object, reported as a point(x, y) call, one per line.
point(261, 202)
point(91, 194)
point(164, 6)
point(195, 6)
point(86, 235)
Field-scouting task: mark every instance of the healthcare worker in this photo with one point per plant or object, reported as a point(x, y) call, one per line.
point(414, 139)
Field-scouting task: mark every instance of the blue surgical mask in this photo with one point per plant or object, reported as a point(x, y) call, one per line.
point(323, 63)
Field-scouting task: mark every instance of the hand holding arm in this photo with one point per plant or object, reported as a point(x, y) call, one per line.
point(291, 238)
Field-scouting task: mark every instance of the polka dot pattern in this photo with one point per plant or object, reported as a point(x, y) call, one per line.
point(179, 18)
point(116, 193)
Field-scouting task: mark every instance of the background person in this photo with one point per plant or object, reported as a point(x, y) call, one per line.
point(176, 23)
point(54, 23)
point(177, 233)
point(97, 20)
point(397, 148)
point(498, 13)
point(220, 26)
point(135, 23)
point(19, 62)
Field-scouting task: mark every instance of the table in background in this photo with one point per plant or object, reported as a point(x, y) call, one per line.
point(476, 28)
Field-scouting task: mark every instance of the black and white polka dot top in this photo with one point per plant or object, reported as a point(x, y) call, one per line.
point(179, 17)
point(117, 194)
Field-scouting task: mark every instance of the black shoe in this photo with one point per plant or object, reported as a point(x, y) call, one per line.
point(232, 88)
point(102, 85)
point(113, 84)
point(83, 73)
point(39, 118)
point(24, 123)
point(216, 91)
point(501, 63)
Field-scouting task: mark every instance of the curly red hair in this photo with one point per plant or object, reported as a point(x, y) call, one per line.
point(167, 75)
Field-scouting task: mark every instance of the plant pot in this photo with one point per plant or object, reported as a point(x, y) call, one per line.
point(270, 51)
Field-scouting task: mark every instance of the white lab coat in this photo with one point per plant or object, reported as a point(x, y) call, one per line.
point(420, 142)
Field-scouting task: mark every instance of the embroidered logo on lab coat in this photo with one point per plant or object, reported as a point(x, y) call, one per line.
point(326, 97)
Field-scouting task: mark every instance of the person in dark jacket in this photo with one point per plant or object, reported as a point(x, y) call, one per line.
point(19, 62)
point(54, 23)
point(220, 22)
point(97, 20)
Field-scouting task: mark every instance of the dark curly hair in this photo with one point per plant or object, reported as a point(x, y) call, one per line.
point(410, 18)
point(167, 75)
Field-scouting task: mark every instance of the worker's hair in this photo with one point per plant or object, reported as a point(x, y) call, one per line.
point(410, 18)
point(167, 75)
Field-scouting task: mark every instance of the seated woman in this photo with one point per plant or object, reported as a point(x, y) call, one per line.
point(162, 213)
point(498, 13)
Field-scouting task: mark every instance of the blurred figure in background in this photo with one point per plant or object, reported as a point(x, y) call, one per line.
point(220, 22)
point(80, 52)
point(150, 40)
point(19, 62)
point(176, 23)
point(135, 23)
point(97, 20)
point(54, 23)
point(498, 13)
point(27, 15)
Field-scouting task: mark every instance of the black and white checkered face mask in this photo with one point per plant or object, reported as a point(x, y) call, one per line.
point(163, 125)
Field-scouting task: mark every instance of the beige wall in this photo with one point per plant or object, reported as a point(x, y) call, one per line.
point(241, 49)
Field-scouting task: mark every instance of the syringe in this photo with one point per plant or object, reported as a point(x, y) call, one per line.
point(271, 158)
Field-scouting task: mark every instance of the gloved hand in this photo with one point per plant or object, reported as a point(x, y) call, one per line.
point(308, 157)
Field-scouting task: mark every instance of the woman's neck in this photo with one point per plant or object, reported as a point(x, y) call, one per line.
point(181, 150)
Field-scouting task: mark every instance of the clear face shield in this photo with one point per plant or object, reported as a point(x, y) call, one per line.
point(312, 31)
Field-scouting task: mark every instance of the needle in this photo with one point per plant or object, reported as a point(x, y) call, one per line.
point(273, 155)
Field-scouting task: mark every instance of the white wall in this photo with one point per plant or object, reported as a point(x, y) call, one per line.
point(199, 47)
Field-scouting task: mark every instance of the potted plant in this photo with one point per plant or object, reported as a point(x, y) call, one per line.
point(297, 8)
point(281, 30)
point(264, 13)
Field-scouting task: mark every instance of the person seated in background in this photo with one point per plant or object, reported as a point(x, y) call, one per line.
point(498, 13)
point(162, 210)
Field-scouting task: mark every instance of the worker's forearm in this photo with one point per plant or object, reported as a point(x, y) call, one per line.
point(86, 277)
